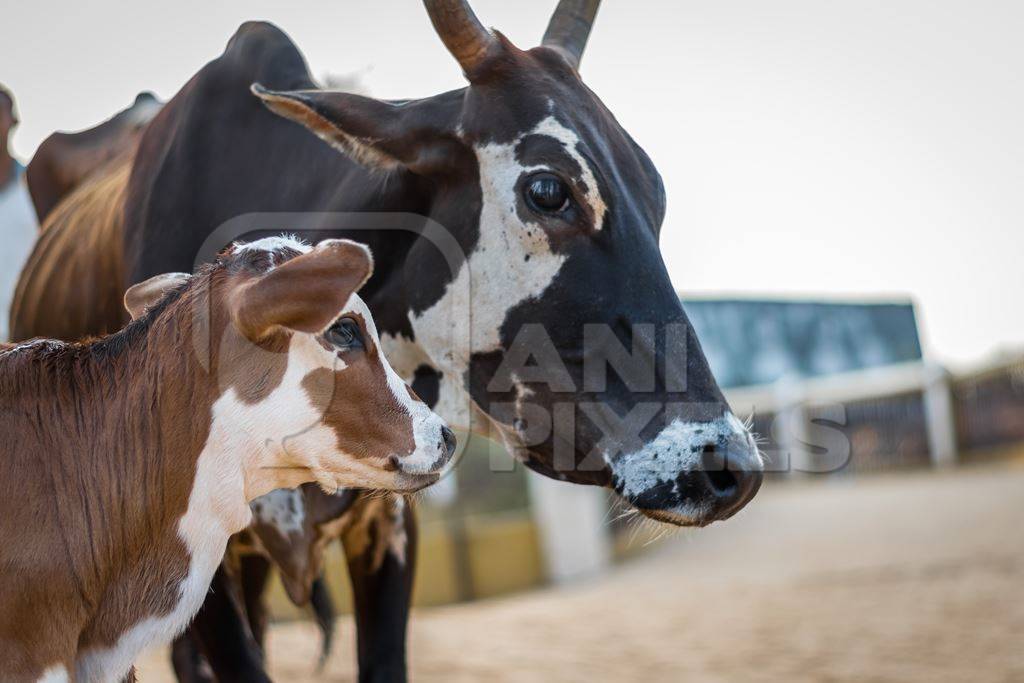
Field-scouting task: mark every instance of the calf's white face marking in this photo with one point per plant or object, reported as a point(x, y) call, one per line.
point(289, 421)
point(406, 356)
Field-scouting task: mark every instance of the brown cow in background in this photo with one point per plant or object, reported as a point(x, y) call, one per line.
point(66, 160)
point(72, 281)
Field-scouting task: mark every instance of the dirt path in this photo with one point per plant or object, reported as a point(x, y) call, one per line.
point(904, 578)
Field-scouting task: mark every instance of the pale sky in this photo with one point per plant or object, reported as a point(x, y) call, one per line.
point(854, 149)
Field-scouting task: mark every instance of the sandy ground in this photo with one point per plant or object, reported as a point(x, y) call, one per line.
point(903, 578)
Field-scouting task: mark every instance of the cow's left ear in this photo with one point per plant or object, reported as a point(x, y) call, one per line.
point(145, 294)
point(378, 134)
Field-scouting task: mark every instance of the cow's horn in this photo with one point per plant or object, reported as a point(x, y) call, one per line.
point(570, 27)
point(460, 30)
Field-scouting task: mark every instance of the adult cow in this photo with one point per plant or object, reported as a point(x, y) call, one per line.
point(65, 160)
point(554, 213)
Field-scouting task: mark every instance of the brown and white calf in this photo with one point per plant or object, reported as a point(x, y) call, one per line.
point(127, 462)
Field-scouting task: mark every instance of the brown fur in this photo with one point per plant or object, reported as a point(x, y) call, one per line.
point(64, 161)
point(100, 472)
point(98, 457)
point(357, 420)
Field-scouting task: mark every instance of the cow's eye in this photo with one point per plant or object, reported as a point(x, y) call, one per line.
point(546, 193)
point(345, 334)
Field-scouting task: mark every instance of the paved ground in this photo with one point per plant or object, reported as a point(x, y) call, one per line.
point(903, 578)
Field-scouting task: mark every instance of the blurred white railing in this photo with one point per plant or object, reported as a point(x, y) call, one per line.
point(789, 399)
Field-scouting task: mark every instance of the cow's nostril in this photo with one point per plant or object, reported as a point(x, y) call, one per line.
point(449, 440)
point(723, 481)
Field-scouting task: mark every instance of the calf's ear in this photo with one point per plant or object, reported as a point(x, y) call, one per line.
point(304, 294)
point(380, 135)
point(145, 294)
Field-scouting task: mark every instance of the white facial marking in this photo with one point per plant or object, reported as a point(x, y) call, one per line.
point(426, 424)
point(676, 450)
point(406, 356)
point(570, 141)
point(511, 262)
point(308, 442)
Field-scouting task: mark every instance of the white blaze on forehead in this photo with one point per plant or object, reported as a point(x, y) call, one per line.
point(676, 450)
point(274, 244)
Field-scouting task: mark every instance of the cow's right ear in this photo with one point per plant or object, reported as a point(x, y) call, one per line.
point(378, 134)
point(304, 294)
point(146, 294)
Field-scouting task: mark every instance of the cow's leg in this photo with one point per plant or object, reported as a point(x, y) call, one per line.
point(223, 636)
point(253, 574)
point(188, 664)
point(380, 547)
point(323, 611)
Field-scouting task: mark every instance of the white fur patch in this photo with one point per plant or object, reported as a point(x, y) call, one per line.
point(405, 356)
point(512, 261)
point(426, 424)
point(55, 674)
point(273, 244)
point(552, 128)
point(676, 450)
point(283, 509)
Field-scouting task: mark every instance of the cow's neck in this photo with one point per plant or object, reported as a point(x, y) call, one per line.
point(149, 480)
point(136, 409)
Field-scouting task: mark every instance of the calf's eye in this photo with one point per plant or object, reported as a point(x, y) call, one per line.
point(546, 193)
point(345, 334)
